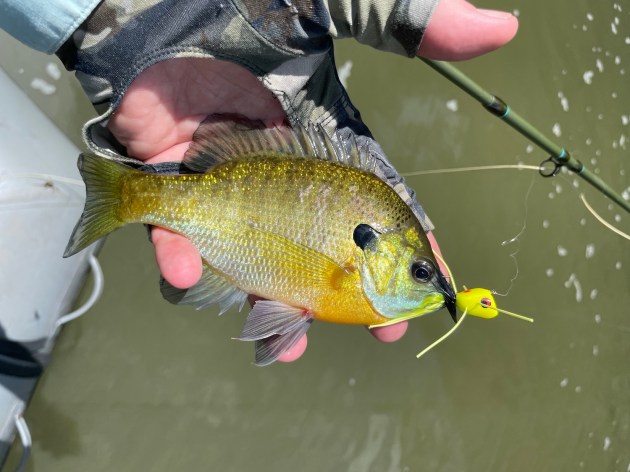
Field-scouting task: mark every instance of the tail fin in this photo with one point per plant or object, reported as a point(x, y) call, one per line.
point(103, 182)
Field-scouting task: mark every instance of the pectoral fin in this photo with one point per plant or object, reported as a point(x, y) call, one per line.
point(211, 288)
point(275, 327)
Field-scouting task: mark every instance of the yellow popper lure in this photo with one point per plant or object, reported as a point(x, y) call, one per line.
point(477, 302)
point(290, 216)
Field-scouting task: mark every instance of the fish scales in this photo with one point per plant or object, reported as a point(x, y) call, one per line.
point(229, 211)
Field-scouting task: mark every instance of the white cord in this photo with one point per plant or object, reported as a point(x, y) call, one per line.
point(25, 437)
point(97, 273)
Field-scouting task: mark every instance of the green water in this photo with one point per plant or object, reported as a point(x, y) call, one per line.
point(140, 385)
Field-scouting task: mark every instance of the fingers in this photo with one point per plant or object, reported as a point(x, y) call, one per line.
point(177, 258)
point(295, 352)
point(459, 31)
point(389, 334)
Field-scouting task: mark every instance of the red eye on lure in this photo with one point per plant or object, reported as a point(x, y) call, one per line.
point(480, 302)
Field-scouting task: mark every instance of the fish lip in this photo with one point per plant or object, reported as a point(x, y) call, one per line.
point(442, 285)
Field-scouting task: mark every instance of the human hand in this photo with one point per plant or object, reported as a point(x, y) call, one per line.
point(166, 103)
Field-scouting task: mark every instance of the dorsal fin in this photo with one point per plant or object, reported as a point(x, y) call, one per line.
point(221, 138)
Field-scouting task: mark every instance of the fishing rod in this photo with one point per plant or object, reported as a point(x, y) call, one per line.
point(559, 156)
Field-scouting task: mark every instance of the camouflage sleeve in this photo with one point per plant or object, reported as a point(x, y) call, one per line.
point(286, 44)
point(389, 25)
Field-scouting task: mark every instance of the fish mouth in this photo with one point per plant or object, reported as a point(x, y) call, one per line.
point(447, 291)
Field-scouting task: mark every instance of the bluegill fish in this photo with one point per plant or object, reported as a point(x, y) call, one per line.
point(287, 215)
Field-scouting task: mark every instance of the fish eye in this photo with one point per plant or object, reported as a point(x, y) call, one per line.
point(422, 271)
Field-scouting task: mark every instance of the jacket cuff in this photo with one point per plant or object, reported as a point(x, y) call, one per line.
point(44, 25)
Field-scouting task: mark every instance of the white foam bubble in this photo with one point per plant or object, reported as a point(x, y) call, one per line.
point(590, 250)
point(595, 350)
point(564, 101)
point(545, 224)
point(564, 382)
point(549, 272)
point(618, 265)
point(43, 86)
point(600, 65)
point(562, 251)
point(452, 105)
point(588, 77)
point(598, 318)
point(556, 130)
point(606, 443)
point(593, 294)
point(53, 70)
point(573, 280)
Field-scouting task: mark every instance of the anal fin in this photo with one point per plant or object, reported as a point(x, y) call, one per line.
point(276, 328)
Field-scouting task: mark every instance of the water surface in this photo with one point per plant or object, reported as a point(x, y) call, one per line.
point(138, 384)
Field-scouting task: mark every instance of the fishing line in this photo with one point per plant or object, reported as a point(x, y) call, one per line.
point(601, 220)
point(515, 239)
point(468, 169)
point(520, 233)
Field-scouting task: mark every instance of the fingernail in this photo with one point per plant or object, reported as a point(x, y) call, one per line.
point(499, 15)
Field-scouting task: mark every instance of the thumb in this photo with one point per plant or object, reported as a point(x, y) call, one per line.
point(458, 31)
